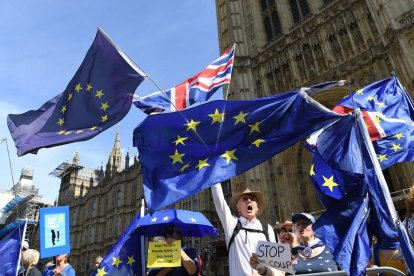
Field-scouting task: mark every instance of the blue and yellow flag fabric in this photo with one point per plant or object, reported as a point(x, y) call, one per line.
point(386, 96)
point(182, 153)
point(98, 96)
point(331, 184)
point(124, 258)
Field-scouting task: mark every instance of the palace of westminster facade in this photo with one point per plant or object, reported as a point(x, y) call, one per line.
point(281, 45)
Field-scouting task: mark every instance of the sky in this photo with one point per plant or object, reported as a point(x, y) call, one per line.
point(43, 43)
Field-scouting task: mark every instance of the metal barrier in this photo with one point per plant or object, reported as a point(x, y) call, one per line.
point(373, 270)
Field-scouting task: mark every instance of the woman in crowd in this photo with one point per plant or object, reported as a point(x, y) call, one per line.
point(63, 267)
point(30, 258)
point(309, 254)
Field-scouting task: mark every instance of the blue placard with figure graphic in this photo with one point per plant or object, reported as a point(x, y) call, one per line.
point(54, 231)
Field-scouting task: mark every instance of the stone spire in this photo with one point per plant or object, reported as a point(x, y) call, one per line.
point(75, 160)
point(115, 158)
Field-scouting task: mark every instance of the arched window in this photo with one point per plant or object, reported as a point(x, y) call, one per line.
point(271, 21)
point(300, 10)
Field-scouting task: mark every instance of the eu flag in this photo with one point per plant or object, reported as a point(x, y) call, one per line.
point(347, 151)
point(182, 153)
point(331, 184)
point(386, 96)
point(97, 97)
point(343, 228)
point(10, 247)
point(124, 258)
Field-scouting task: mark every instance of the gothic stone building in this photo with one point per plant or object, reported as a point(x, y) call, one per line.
point(285, 44)
point(281, 45)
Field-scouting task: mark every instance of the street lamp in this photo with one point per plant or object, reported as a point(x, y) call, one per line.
point(8, 154)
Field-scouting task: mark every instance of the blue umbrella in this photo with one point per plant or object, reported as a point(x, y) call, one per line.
point(192, 224)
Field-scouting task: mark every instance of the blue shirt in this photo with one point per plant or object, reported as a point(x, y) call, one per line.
point(68, 271)
point(323, 262)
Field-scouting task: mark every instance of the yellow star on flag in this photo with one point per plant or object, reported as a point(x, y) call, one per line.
point(399, 135)
point(202, 163)
point(360, 92)
point(229, 155)
point(79, 131)
point(382, 157)
point(396, 147)
point(116, 261)
point(89, 87)
point(101, 272)
point(380, 105)
point(61, 121)
point(192, 125)
point(78, 87)
point(63, 109)
point(61, 131)
point(311, 171)
point(217, 117)
point(131, 260)
point(254, 127)
point(70, 96)
point(370, 98)
point(176, 157)
point(93, 127)
point(258, 142)
point(184, 167)
point(99, 93)
point(329, 182)
point(180, 140)
point(68, 132)
point(240, 118)
point(104, 118)
point(377, 120)
point(104, 106)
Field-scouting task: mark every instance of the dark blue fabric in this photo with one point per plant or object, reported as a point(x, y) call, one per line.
point(323, 262)
point(10, 251)
point(219, 149)
point(126, 249)
point(97, 97)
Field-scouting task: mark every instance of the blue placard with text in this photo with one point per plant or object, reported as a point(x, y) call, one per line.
point(54, 231)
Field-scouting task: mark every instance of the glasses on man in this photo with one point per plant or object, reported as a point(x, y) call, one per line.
point(247, 197)
point(285, 229)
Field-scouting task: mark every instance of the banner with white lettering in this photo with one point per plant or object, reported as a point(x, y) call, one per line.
point(274, 255)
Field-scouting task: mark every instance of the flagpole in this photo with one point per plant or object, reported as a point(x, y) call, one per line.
point(142, 214)
point(377, 167)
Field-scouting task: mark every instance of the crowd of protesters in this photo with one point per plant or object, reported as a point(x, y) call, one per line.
point(243, 230)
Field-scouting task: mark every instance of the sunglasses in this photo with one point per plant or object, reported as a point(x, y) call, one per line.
point(247, 197)
point(285, 229)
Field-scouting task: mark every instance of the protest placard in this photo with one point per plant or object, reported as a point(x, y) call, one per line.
point(274, 255)
point(164, 254)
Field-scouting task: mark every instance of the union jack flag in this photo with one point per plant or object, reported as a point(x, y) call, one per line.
point(198, 88)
